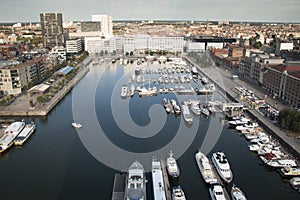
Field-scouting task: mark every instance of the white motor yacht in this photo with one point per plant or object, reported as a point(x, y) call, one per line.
point(10, 133)
point(237, 193)
point(295, 183)
point(195, 109)
point(222, 166)
point(282, 163)
point(76, 125)
point(172, 167)
point(124, 91)
point(25, 134)
point(186, 114)
point(208, 173)
point(217, 192)
point(177, 193)
point(290, 171)
point(135, 182)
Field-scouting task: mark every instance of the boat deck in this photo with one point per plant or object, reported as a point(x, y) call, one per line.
point(158, 181)
point(119, 187)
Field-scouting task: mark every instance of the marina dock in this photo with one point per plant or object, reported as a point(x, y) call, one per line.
point(166, 180)
point(119, 187)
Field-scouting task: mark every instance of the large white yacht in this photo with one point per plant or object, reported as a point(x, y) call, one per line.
point(158, 181)
point(25, 134)
point(172, 167)
point(186, 114)
point(135, 182)
point(222, 166)
point(205, 168)
point(10, 133)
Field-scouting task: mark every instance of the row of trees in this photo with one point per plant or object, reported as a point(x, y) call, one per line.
point(46, 97)
point(289, 120)
point(6, 100)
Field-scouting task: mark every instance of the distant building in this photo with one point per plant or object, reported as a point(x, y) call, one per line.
point(142, 43)
point(52, 29)
point(106, 24)
point(283, 81)
point(235, 52)
point(90, 26)
point(195, 46)
point(99, 44)
point(74, 46)
point(280, 45)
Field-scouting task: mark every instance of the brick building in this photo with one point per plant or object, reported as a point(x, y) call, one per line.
point(283, 81)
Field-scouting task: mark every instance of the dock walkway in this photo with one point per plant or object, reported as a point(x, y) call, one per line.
point(119, 187)
point(166, 180)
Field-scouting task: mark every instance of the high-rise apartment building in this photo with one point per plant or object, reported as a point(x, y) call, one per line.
point(52, 29)
point(106, 24)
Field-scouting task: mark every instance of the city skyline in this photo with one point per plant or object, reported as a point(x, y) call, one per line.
point(218, 10)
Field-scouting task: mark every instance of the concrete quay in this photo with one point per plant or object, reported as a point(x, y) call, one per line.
point(22, 108)
point(223, 81)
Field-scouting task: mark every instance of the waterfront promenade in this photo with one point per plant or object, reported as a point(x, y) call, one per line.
point(21, 106)
point(223, 81)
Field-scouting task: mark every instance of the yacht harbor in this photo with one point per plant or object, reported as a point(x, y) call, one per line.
point(64, 149)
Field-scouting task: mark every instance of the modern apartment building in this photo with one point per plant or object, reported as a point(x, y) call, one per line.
point(15, 76)
point(74, 46)
point(52, 29)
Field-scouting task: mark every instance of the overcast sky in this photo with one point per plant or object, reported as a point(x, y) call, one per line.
point(221, 10)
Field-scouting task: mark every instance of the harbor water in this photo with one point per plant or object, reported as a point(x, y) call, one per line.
point(56, 163)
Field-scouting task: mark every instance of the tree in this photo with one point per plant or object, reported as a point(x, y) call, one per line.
point(257, 45)
point(289, 119)
point(41, 99)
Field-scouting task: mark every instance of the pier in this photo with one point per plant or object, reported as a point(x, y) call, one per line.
point(118, 192)
point(166, 180)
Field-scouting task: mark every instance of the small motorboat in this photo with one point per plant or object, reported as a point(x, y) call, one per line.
point(237, 193)
point(76, 125)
